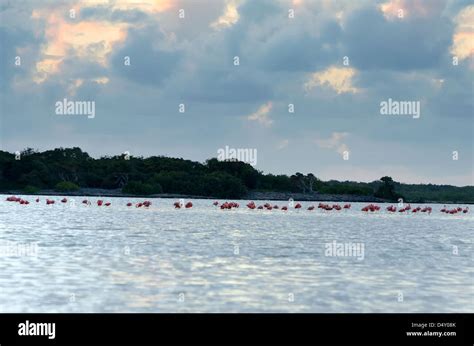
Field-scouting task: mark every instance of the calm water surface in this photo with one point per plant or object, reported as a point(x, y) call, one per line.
point(120, 259)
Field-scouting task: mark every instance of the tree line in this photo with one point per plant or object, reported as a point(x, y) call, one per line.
point(69, 169)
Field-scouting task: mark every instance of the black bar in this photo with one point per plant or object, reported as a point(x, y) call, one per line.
point(290, 329)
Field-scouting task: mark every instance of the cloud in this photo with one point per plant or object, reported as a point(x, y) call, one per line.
point(252, 12)
point(262, 115)
point(295, 49)
point(221, 85)
point(151, 59)
point(86, 40)
point(15, 43)
point(463, 38)
point(337, 78)
point(399, 9)
point(411, 43)
point(149, 6)
point(229, 18)
point(334, 142)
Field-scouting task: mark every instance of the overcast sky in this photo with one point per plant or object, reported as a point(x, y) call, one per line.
point(417, 51)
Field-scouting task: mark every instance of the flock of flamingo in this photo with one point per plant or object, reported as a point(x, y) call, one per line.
point(370, 208)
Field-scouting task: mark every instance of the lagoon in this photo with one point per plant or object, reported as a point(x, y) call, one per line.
point(203, 259)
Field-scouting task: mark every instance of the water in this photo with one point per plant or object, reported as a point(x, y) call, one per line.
point(120, 259)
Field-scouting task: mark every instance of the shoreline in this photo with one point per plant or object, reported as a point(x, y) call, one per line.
point(255, 195)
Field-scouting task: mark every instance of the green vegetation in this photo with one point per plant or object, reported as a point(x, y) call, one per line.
point(387, 190)
point(31, 190)
point(66, 186)
point(71, 169)
point(138, 188)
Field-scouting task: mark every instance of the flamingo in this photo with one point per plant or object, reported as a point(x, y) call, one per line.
point(37, 200)
point(371, 208)
point(284, 208)
point(64, 200)
point(230, 205)
point(311, 207)
point(325, 206)
point(267, 206)
point(216, 203)
point(189, 205)
point(107, 204)
point(297, 206)
point(100, 202)
point(129, 204)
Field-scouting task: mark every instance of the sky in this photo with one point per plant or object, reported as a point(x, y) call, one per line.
point(237, 68)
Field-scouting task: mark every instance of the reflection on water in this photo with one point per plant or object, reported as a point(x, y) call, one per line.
point(120, 259)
